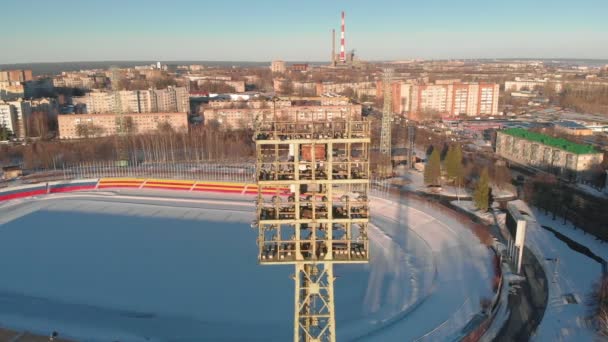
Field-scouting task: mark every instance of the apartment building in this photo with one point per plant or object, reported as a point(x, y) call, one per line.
point(15, 114)
point(359, 88)
point(7, 116)
point(444, 97)
point(244, 117)
point(15, 76)
point(545, 152)
point(278, 66)
point(530, 84)
point(9, 91)
point(78, 80)
point(455, 98)
point(226, 104)
point(107, 124)
point(171, 99)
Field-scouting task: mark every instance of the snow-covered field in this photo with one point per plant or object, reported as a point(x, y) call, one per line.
point(179, 267)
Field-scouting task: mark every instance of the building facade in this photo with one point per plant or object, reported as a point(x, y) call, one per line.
point(444, 97)
point(7, 117)
point(546, 152)
point(171, 99)
point(530, 84)
point(15, 75)
point(455, 98)
point(244, 117)
point(15, 114)
point(107, 124)
point(278, 66)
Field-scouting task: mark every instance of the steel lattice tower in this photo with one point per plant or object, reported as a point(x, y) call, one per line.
point(120, 117)
point(387, 118)
point(312, 210)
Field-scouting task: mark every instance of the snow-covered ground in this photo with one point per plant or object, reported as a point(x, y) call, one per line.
point(569, 275)
point(414, 181)
point(182, 267)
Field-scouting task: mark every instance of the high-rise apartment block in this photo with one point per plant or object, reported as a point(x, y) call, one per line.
point(447, 97)
point(14, 116)
point(15, 76)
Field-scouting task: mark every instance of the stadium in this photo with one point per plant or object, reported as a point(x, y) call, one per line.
point(147, 259)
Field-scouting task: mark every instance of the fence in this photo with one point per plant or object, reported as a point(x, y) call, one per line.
point(241, 172)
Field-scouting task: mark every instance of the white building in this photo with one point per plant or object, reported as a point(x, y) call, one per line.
point(531, 84)
point(278, 66)
point(7, 117)
point(14, 115)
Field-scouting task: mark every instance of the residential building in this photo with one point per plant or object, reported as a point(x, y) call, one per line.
point(15, 114)
point(455, 98)
point(531, 84)
point(80, 80)
point(244, 117)
point(545, 152)
point(7, 116)
point(107, 124)
point(278, 66)
point(11, 91)
point(401, 93)
point(171, 99)
point(15, 76)
point(303, 67)
point(359, 88)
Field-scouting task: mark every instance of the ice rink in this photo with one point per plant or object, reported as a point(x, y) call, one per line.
point(162, 266)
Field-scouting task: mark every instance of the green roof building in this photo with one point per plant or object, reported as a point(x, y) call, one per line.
point(545, 152)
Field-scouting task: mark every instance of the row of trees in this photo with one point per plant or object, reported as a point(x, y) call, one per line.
point(164, 145)
point(453, 170)
point(546, 192)
point(586, 99)
point(452, 166)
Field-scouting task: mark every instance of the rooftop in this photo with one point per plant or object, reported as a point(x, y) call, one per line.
point(570, 124)
point(550, 141)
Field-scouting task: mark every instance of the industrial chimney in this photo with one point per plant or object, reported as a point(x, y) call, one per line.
point(342, 42)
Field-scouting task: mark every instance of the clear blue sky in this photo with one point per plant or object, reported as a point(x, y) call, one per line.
point(239, 30)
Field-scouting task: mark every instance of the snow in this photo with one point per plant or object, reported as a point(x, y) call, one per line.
point(469, 206)
point(568, 273)
point(143, 265)
point(415, 182)
point(596, 246)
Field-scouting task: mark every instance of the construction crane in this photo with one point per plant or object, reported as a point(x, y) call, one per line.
point(385, 166)
point(312, 210)
point(122, 153)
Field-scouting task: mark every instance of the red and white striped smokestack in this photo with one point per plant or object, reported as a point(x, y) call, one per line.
point(342, 42)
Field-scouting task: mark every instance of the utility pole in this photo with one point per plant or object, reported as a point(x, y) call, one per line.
point(385, 166)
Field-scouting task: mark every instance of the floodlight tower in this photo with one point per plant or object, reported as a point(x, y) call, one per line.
point(312, 210)
point(387, 118)
point(120, 118)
